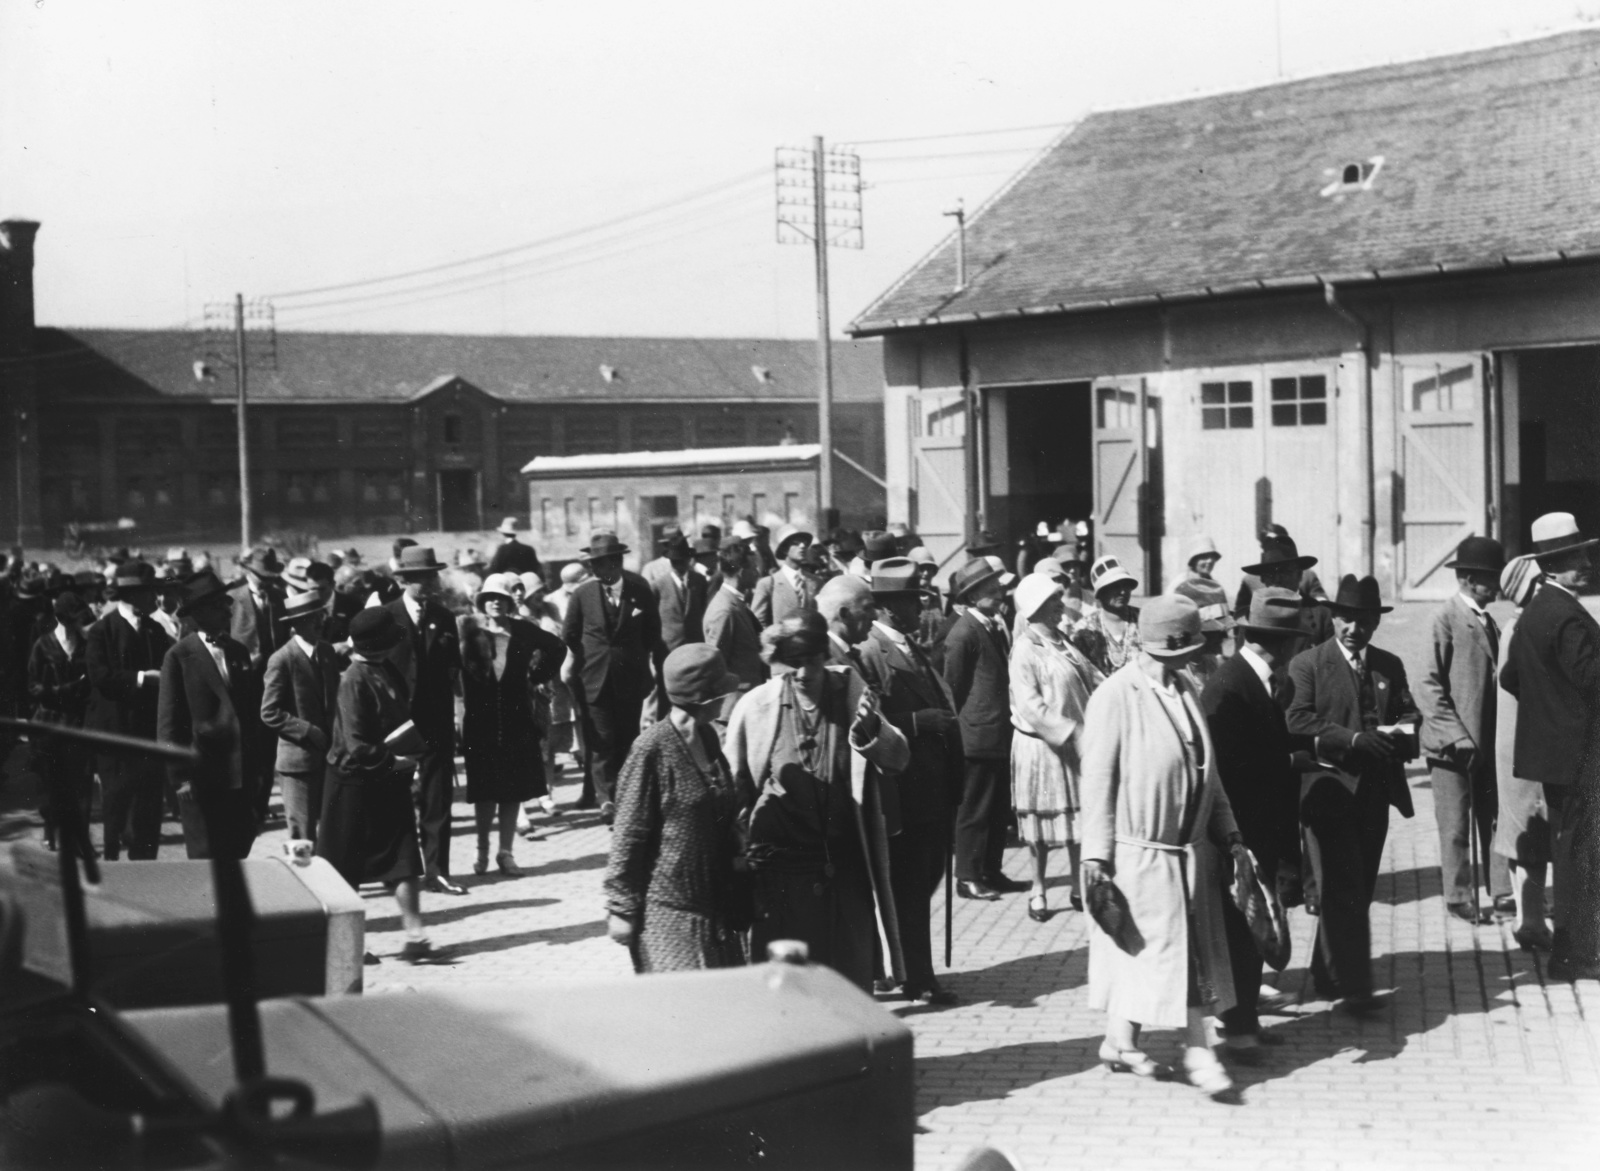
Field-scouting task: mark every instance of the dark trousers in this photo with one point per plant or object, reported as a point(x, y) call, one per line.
point(68, 784)
point(1575, 871)
point(1245, 959)
point(1345, 833)
point(981, 819)
point(432, 789)
point(131, 792)
point(613, 727)
point(218, 823)
point(302, 802)
point(1450, 810)
point(916, 864)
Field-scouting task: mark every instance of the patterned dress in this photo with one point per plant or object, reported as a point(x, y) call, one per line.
point(672, 848)
point(1050, 686)
point(1106, 652)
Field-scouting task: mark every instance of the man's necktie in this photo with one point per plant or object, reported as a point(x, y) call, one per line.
point(1493, 632)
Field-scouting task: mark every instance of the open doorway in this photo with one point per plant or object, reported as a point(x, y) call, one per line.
point(460, 509)
point(1040, 457)
point(1550, 458)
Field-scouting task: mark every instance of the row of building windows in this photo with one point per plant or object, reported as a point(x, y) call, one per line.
point(294, 489)
point(572, 516)
point(1300, 401)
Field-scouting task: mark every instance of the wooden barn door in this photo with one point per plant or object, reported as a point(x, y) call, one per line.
point(1121, 472)
point(939, 473)
point(1441, 468)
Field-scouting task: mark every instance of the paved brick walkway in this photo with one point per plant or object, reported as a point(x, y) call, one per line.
point(1480, 1062)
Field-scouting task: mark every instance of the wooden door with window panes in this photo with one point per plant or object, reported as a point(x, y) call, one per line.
point(939, 472)
point(1123, 432)
point(1300, 470)
point(1441, 466)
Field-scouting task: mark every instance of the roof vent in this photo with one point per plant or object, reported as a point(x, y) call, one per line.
point(762, 373)
point(1352, 177)
point(609, 373)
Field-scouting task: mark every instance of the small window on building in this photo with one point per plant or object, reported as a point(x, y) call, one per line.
point(1227, 406)
point(758, 507)
point(1300, 402)
point(1352, 176)
point(1117, 408)
point(452, 428)
point(546, 516)
point(727, 513)
point(1444, 390)
point(569, 518)
point(791, 507)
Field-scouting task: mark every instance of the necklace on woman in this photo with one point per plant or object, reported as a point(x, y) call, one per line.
point(808, 721)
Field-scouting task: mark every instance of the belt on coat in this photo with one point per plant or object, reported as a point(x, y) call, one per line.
point(1144, 844)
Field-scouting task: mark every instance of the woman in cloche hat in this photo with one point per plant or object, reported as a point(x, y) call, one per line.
point(1152, 807)
point(1109, 635)
point(669, 883)
point(505, 661)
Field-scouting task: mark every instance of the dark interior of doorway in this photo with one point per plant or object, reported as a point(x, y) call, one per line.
point(458, 501)
point(1050, 451)
point(1558, 393)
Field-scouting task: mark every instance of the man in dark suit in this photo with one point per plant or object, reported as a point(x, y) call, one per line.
point(976, 668)
point(915, 699)
point(298, 695)
point(729, 624)
point(209, 688)
point(429, 658)
point(613, 630)
point(1553, 669)
point(788, 589)
point(681, 593)
point(1350, 696)
point(123, 651)
point(257, 621)
point(1243, 706)
point(1282, 567)
point(513, 556)
point(1458, 695)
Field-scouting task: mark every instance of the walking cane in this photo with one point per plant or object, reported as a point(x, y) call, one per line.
point(1472, 838)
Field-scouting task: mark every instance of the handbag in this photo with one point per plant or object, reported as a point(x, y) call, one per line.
point(1269, 925)
point(1108, 907)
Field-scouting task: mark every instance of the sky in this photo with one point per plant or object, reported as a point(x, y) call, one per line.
point(583, 166)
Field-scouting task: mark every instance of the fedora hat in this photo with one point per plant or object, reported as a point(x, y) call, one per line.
point(69, 607)
point(1107, 572)
point(133, 575)
point(922, 555)
point(1169, 627)
point(508, 527)
point(1065, 555)
point(675, 544)
point(1483, 554)
point(1274, 612)
point(1557, 532)
point(417, 561)
point(602, 544)
point(374, 631)
point(262, 561)
point(984, 543)
point(200, 589)
point(704, 547)
point(1279, 553)
point(894, 575)
point(977, 572)
point(1358, 596)
point(697, 673)
point(301, 603)
point(876, 545)
point(788, 535)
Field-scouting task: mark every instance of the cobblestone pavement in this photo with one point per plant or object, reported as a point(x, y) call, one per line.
point(1481, 1061)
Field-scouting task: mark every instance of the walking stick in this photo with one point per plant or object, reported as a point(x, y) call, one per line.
point(1472, 838)
point(949, 906)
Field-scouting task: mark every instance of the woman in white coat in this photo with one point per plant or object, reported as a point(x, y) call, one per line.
point(1156, 822)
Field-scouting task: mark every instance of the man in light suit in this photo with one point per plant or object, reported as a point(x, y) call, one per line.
point(298, 697)
point(914, 698)
point(729, 624)
point(429, 659)
point(209, 686)
point(788, 589)
point(680, 593)
point(1553, 669)
point(613, 630)
point(1458, 697)
point(1346, 692)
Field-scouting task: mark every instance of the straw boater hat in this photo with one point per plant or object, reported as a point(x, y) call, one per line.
point(1358, 596)
point(1107, 572)
point(1169, 627)
point(1274, 613)
point(1480, 555)
point(696, 673)
point(788, 535)
point(417, 561)
point(508, 527)
point(302, 604)
point(1555, 533)
point(602, 544)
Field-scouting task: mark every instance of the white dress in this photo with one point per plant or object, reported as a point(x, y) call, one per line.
point(1050, 686)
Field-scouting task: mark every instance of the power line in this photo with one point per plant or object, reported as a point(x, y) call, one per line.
point(540, 243)
point(877, 160)
point(957, 134)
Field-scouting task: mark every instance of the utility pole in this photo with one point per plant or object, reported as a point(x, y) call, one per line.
point(251, 329)
point(808, 207)
point(960, 214)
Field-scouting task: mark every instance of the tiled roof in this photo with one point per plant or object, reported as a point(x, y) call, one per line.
point(391, 367)
point(1489, 158)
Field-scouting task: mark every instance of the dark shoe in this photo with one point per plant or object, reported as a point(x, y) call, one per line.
point(1075, 901)
point(1505, 907)
point(370, 960)
point(440, 885)
point(1533, 938)
point(1324, 989)
point(976, 890)
point(933, 996)
point(1364, 1006)
point(1038, 910)
point(1565, 968)
point(1467, 913)
point(420, 951)
point(1006, 885)
point(1245, 1054)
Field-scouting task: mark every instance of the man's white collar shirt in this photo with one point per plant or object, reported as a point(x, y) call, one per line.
point(615, 592)
point(167, 622)
point(843, 646)
point(132, 615)
point(413, 608)
point(67, 641)
point(791, 575)
point(217, 655)
point(1259, 666)
point(1355, 660)
point(309, 648)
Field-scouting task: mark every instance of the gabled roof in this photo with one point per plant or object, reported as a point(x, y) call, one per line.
point(1489, 158)
point(397, 367)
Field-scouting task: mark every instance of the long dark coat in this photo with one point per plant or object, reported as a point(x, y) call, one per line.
point(499, 738)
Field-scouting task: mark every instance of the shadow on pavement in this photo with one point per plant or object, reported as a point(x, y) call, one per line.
point(994, 1073)
point(565, 865)
point(571, 933)
point(1408, 886)
point(456, 911)
point(1022, 982)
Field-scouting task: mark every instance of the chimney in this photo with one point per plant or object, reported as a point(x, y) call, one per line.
point(19, 393)
point(16, 285)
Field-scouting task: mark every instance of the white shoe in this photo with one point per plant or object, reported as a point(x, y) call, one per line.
point(1204, 1072)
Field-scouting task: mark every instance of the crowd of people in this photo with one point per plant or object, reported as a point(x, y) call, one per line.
point(798, 739)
